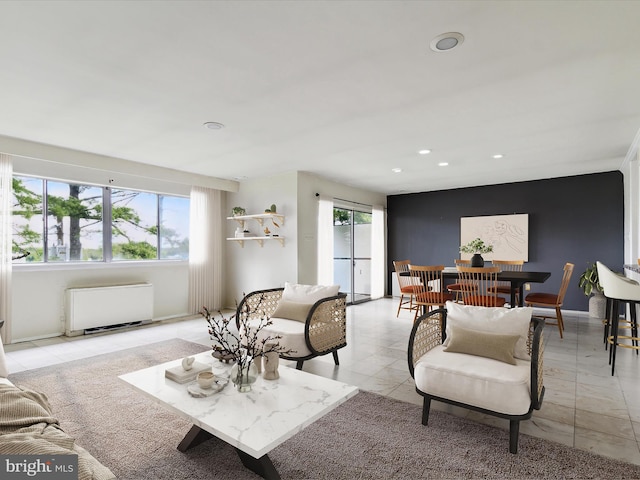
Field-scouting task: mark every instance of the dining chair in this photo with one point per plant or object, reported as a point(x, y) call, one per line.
point(504, 288)
point(430, 293)
point(407, 286)
point(456, 288)
point(552, 300)
point(479, 286)
point(620, 290)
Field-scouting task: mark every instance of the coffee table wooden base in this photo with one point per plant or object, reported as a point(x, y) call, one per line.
point(262, 466)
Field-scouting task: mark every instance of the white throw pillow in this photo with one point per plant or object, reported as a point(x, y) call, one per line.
point(505, 321)
point(294, 292)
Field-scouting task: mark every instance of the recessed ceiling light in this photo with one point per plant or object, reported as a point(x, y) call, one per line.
point(498, 155)
point(396, 170)
point(446, 41)
point(443, 164)
point(426, 151)
point(213, 125)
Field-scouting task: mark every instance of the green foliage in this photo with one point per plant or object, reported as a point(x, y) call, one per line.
point(135, 251)
point(28, 204)
point(343, 217)
point(476, 245)
point(589, 280)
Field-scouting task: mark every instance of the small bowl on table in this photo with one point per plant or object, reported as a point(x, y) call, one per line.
point(206, 379)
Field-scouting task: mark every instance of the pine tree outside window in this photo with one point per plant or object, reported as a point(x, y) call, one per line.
point(87, 223)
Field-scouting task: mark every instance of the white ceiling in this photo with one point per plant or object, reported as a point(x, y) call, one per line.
point(346, 90)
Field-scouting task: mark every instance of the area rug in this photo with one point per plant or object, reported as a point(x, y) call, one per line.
point(367, 437)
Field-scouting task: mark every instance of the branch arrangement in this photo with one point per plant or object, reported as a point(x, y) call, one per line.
point(246, 344)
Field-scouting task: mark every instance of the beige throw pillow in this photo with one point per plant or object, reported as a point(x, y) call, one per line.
point(504, 321)
point(292, 310)
point(482, 344)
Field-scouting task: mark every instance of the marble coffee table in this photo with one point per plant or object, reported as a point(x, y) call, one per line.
point(254, 422)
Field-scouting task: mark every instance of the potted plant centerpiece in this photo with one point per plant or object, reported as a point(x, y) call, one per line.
point(477, 247)
point(590, 285)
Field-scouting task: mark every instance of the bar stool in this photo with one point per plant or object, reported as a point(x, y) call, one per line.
point(620, 289)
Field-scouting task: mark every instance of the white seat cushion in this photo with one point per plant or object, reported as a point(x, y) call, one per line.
point(478, 381)
point(291, 331)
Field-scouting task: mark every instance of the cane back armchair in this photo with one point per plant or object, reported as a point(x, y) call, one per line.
point(483, 381)
point(320, 330)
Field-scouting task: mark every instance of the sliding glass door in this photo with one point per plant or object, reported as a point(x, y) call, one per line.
point(352, 253)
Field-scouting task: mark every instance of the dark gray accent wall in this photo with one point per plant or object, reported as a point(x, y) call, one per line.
point(576, 219)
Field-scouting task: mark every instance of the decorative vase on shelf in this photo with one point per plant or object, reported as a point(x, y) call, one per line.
point(244, 373)
point(477, 260)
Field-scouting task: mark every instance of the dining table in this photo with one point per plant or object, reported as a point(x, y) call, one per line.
point(517, 281)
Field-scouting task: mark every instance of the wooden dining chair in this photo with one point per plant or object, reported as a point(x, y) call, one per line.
point(456, 288)
point(479, 286)
point(504, 288)
point(430, 287)
point(552, 300)
point(407, 286)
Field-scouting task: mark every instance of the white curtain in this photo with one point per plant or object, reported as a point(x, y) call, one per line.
point(205, 249)
point(6, 180)
point(325, 240)
point(377, 252)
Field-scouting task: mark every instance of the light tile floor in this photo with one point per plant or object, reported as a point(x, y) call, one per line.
point(584, 406)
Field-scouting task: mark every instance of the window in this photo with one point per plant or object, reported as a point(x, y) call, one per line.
point(134, 225)
point(74, 222)
point(174, 227)
point(85, 223)
point(27, 219)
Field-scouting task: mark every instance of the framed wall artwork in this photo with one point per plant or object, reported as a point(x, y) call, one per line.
point(509, 235)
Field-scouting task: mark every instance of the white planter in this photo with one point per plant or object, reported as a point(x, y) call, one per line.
point(597, 305)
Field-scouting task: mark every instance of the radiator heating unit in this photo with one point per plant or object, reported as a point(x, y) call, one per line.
point(91, 309)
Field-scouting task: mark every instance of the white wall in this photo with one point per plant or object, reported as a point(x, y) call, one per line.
point(66, 164)
point(254, 268)
point(631, 171)
point(39, 292)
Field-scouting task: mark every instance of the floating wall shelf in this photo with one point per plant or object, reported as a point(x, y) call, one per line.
point(260, 240)
point(260, 217)
point(276, 218)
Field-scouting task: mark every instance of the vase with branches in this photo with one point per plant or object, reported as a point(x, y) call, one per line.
point(244, 346)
